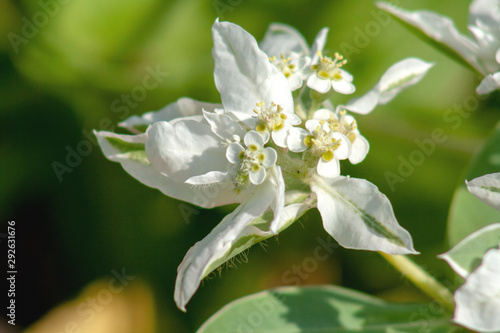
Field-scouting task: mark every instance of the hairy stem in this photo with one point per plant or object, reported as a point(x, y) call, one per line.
point(421, 279)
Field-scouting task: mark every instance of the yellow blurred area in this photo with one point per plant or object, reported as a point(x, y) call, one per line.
point(103, 308)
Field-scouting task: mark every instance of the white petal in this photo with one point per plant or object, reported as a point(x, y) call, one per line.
point(358, 216)
point(185, 149)
point(364, 104)
point(318, 45)
point(206, 197)
point(196, 265)
point(257, 177)
point(212, 177)
point(346, 75)
point(281, 38)
point(487, 189)
point(295, 139)
point(243, 73)
point(488, 84)
point(439, 28)
point(265, 136)
point(270, 157)
point(477, 300)
point(254, 138)
point(343, 87)
point(360, 148)
point(312, 124)
point(324, 114)
point(279, 137)
point(328, 169)
point(183, 107)
point(294, 82)
point(233, 152)
point(399, 76)
point(486, 12)
point(278, 204)
point(320, 85)
point(223, 125)
point(293, 119)
point(344, 150)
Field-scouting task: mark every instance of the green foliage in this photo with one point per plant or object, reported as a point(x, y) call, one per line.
point(324, 309)
point(467, 213)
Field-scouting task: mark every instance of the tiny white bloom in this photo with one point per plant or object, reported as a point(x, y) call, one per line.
point(289, 52)
point(273, 119)
point(346, 124)
point(292, 66)
point(327, 73)
point(324, 144)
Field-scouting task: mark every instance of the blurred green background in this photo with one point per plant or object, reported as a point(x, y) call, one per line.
point(67, 68)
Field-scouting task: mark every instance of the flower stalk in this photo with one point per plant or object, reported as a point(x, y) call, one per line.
point(422, 279)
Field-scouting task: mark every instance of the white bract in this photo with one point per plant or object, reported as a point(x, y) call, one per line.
point(478, 299)
point(481, 52)
point(487, 189)
point(251, 148)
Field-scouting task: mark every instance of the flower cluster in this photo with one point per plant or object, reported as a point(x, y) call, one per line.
point(481, 52)
point(274, 129)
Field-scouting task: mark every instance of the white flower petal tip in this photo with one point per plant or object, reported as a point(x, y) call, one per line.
point(488, 84)
point(358, 216)
point(487, 189)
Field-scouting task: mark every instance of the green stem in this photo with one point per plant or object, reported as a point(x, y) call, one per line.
point(421, 279)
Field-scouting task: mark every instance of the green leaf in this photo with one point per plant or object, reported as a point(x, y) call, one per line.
point(466, 256)
point(467, 213)
point(134, 151)
point(324, 309)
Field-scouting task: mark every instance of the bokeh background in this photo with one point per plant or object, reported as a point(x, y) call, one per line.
point(65, 69)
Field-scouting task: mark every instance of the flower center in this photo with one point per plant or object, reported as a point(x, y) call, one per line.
point(347, 127)
point(328, 68)
point(322, 143)
point(269, 119)
point(252, 159)
point(284, 65)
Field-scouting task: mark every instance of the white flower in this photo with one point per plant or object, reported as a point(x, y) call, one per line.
point(289, 52)
point(482, 52)
point(325, 146)
point(292, 66)
point(346, 125)
point(245, 78)
point(327, 73)
point(239, 153)
point(275, 120)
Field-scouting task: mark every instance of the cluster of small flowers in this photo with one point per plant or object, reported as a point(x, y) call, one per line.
point(275, 126)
